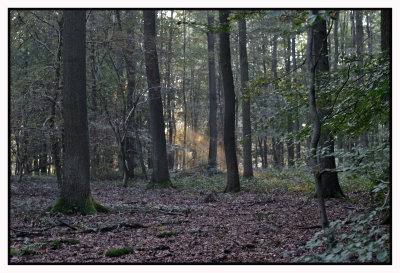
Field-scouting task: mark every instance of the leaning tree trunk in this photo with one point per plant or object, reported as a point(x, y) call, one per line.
point(160, 174)
point(75, 187)
point(233, 183)
point(244, 78)
point(212, 152)
point(313, 43)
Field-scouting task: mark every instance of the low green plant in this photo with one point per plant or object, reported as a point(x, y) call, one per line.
point(117, 252)
point(363, 243)
point(27, 251)
point(13, 252)
point(167, 234)
point(56, 243)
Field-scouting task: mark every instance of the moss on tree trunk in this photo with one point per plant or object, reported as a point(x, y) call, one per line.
point(85, 206)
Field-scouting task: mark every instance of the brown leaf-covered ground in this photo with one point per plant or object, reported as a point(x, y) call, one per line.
point(203, 226)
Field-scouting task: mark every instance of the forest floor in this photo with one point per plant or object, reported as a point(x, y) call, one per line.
point(194, 222)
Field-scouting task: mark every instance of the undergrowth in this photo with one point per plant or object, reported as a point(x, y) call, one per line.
point(269, 180)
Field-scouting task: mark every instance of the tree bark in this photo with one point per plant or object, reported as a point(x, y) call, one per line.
point(76, 184)
point(244, 78)
point(312, 44)
point(233, 183)
point(386, 30)
point(157, 127)
point(329, 180)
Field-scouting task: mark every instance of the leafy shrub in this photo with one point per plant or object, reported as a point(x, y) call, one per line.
point(363, 243)
point(117, 252)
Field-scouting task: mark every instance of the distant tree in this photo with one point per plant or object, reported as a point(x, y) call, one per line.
point(212, 152)
point(75, 187)
point(289, 143)
point(160, 174)
point(244, 78)
point(233, 183)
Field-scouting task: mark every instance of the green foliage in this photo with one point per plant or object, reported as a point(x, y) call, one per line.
point(117, 252)
point(360, 96)
point(56, 243)
point(13, 252)
point(364, 242)
point(27, 251)
point(84, 207)
point(68, 241)
point(167, 234)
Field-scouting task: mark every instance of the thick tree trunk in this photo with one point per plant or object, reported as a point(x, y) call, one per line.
point(75, 186)
point(244, 78)
point(233, 184)
point(212, 152)
point(157, 127)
